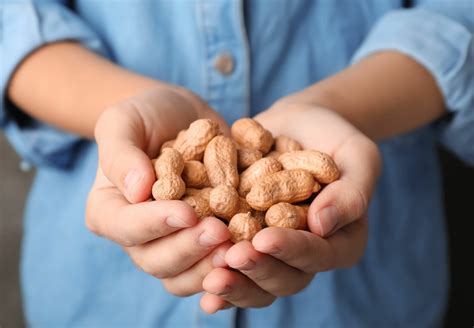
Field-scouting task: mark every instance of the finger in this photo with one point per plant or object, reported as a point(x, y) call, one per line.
point(337, 205)
point(346, 200)
point(203, 110)
point(236, 288)
point(357, 158)
point(212, 303)
point(189, 282)
point(110, 215)
point(269, 273)
point(168, 256)
point(310, 253)
point(121, 139)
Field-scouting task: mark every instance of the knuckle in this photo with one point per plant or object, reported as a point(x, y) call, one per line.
point(126, 241)
point(324, 264)
point(152, 229)
point(356, 203)
point(375, 153)
point(153, 270)
point(177, 289)
point(266, 302)
point(124, 230)
point(297, 287)
point(146, 266)
point(91, 217)
point(309, 267)
point(263, 275)
point(105, 117)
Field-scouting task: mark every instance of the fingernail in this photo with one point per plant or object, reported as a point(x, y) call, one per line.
point(218, 260)
point(208, 240)
point(249, 265)
point(176, 222)
point(327, 219)
point(131, 182)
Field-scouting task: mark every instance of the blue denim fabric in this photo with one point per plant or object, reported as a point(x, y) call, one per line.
point(72, 278)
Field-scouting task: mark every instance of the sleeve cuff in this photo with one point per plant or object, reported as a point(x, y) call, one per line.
point(443, 46)
point(25, 27)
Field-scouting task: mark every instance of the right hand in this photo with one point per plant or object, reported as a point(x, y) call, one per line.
point(163, 238)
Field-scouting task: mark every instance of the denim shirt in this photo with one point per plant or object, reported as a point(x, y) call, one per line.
point(75, 279)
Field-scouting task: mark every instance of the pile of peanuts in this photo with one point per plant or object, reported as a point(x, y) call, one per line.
point(250, 181)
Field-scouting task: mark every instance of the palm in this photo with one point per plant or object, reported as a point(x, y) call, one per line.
point(157, 115)
point(356, 156)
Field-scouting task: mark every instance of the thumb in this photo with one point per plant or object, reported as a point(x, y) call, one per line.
point(121, 139)
point(346, 200)
point(338, 205)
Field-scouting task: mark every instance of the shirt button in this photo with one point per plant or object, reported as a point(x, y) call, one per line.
point(224, 63)
point(25, 166)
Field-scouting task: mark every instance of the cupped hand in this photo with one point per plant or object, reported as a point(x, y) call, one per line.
point(163, 238)
point(282, 262)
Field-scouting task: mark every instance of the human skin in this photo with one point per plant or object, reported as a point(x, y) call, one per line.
point(378, 107)
point(129, 115)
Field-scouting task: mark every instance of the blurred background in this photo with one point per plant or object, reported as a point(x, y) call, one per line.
point(458, 179)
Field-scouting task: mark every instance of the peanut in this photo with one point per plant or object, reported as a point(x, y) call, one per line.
point(260, 216)
point(224, 201)
point(243, 226)
point(246, 157)
point(285, 215)
point(167, 144)
point(273, 154)
point(199, 204)
point(192, 143)
point(284, 186)
point(169, 162)
point(168, 187)
point(319, 164)
point(261, 196)
point(192, 191)
point(168, 168)
point(244, 207)
point(248, 133)
point(256, 171)
point(195, 175)
point(170, 143)
point(284, 144)
point(220, 160)
point(204, 193)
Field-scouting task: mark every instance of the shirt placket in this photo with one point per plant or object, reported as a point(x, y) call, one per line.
point(226, 84)
point(226, 58)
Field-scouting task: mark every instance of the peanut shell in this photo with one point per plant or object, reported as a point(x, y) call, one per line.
point(284, 144)
point(168, 187)
point(246, 157)
point(195, 175)
point(220, 160)
point(224, 201)
point(243, 226)
point(286, 215)
point(257, 171)
point(192, 143)
point(319, 164)
point(284, 186)
point(248, 133)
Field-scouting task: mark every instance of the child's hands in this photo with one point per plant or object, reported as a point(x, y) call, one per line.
point(128, 135)
point(282, 262)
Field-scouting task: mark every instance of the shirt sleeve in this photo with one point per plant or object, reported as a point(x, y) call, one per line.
point(24, 27)
point(439, 35)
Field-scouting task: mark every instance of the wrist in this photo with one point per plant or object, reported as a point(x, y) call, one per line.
point(384, 95)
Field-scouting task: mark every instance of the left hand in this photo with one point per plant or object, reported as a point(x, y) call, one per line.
point(282, 262)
